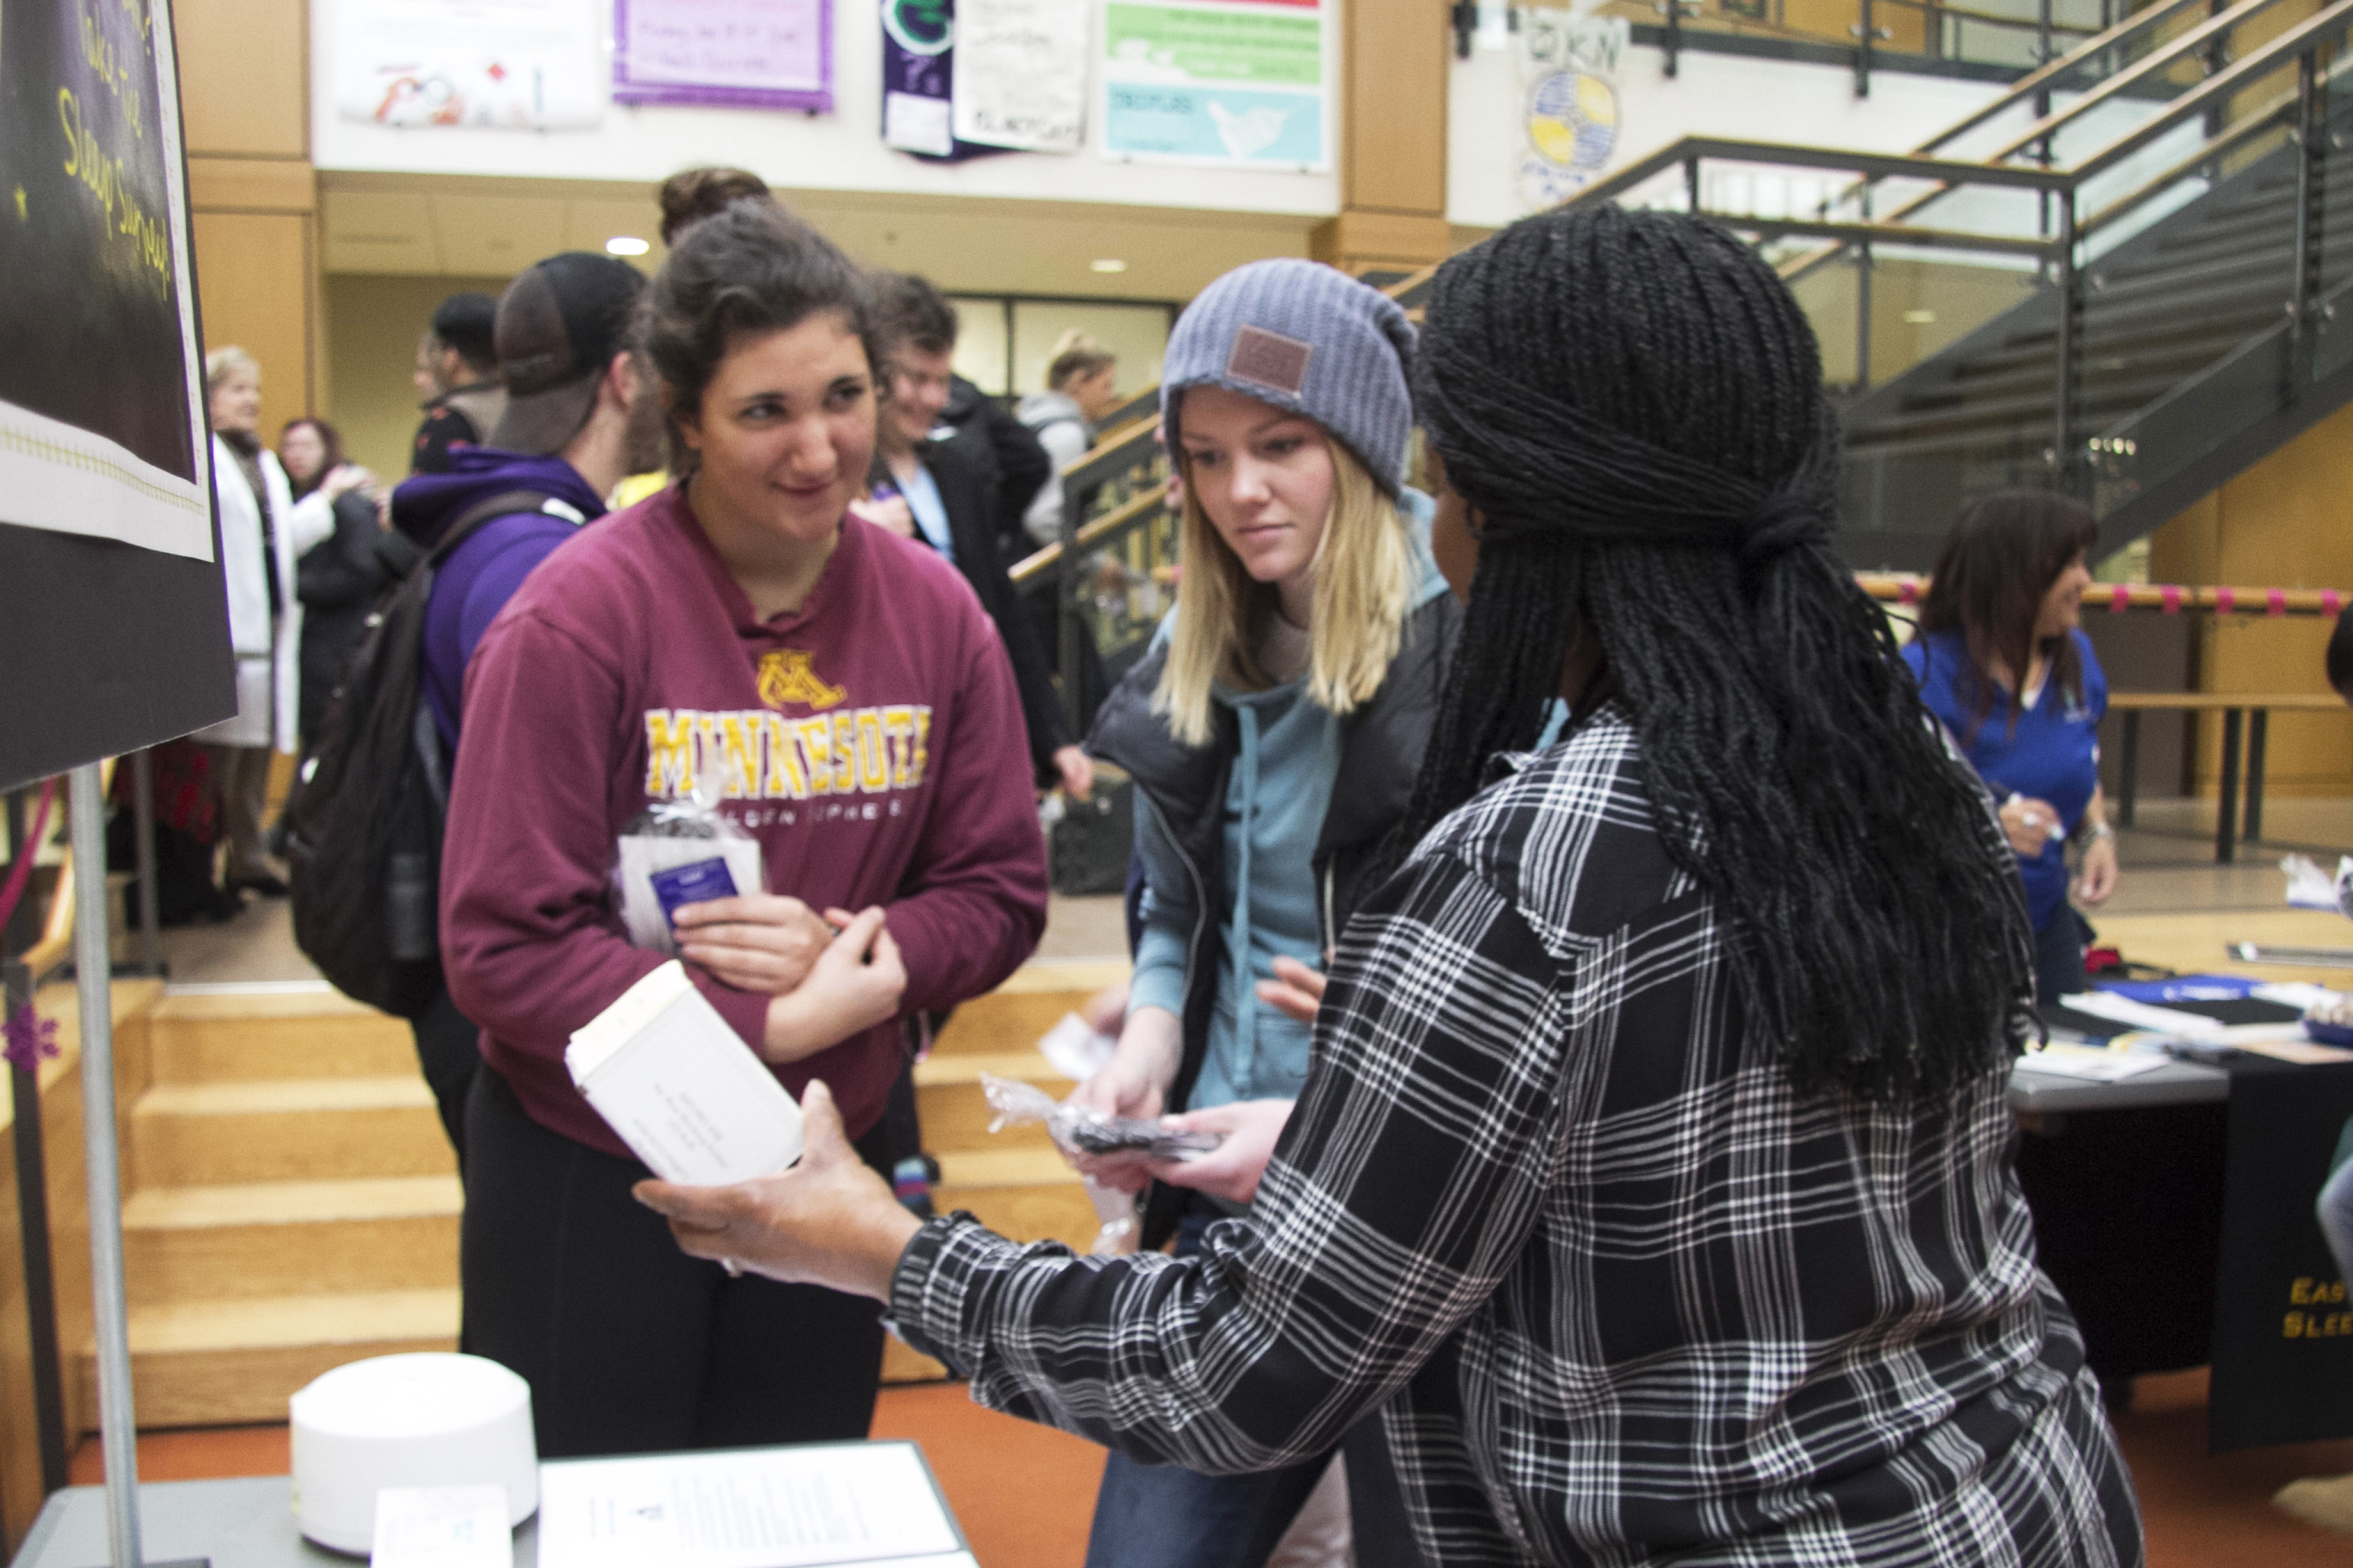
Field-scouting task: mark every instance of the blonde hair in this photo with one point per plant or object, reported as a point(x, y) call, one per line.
point(225, 362)
point(1077, 352)
point(1363, 573)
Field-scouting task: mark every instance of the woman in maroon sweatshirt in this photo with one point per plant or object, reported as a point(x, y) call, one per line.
point(851, 696)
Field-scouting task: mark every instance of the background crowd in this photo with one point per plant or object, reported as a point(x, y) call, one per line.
point(739, 534)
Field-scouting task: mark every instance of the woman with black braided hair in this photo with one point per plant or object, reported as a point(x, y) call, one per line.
point(1651, 1173)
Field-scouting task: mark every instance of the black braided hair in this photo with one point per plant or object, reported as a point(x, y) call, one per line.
point(1631, 402)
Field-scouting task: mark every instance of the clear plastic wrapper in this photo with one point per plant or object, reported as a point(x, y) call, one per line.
point(1076, 1129)
point(2311, 888)
point(680, 852)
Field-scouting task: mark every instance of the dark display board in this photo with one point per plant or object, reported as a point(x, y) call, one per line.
point(113, 621)
point(2283, 1326)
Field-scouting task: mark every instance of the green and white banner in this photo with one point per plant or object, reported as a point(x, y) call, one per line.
point(1208, 83)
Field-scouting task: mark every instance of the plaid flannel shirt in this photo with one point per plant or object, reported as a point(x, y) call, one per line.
point(1618, 1293)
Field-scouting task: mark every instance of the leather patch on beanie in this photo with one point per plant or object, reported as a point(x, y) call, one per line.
point(1270, 360)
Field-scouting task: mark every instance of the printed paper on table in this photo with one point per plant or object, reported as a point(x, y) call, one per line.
point(500, 65)
point(1021, 73)
point(742, 54)
point(102, 393)
point(800, 1507)
point(1243, 85)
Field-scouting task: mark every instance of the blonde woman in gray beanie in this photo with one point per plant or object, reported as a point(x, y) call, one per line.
point(1274, 732)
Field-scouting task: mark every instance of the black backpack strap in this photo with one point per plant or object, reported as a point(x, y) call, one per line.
point(507, 503)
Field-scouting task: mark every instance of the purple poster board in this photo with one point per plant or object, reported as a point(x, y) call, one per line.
point(735, 53)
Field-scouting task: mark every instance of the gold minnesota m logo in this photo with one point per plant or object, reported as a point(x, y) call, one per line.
point(785, 677)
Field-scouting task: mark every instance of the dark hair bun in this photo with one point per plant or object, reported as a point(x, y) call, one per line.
point(692, 195)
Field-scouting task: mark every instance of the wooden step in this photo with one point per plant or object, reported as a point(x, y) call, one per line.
point(213, 1036)
point(1027, 1195)
point(1031, 1001)
point(954, 1111)
point(326, 1128)
point(215, 1362)
point(291, 1239)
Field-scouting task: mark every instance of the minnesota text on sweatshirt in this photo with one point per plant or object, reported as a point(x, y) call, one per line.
point(872, 742)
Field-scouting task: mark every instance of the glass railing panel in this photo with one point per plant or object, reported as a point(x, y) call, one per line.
point(1898, 502)
point(1127, 583)
point(2167, 437)
point(2332, 342)
point(1921, 303)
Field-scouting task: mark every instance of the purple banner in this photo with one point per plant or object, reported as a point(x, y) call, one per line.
point(918, 81)
point(733, 53)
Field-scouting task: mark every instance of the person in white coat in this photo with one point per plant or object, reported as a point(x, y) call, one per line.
point(263, 531)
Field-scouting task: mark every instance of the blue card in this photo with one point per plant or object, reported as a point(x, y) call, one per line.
point(696, 883)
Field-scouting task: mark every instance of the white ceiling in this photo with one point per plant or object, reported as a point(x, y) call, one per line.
point(449, 225)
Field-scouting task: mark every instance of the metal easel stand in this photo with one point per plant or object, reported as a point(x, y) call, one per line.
point(93, 971)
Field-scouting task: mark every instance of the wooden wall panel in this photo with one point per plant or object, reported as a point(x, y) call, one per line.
point(245, 76)
point(1393, 106)
point(2279, 524)
point(257, 281)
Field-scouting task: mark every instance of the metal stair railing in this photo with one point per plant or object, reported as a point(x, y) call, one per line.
point(1128, 459)
point(1128, 451)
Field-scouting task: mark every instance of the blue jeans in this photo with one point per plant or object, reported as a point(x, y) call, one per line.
point(1159, 1516)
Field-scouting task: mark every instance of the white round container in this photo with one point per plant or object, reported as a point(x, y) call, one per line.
point(426, 1420)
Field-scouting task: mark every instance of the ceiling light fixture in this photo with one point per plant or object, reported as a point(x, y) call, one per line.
point(1919, 317)
point(626, 245)
point(1109, 264)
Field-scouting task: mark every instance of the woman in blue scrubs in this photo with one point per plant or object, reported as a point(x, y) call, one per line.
point(2001, 618)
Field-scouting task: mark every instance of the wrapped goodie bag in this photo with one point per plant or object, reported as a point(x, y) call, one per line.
point(364, 820)
point(680, 852)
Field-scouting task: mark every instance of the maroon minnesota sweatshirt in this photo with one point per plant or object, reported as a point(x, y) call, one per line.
point(872, 741)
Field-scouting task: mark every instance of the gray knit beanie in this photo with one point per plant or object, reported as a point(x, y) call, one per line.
point(1304, 336)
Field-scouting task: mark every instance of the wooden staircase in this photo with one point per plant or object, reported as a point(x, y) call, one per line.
point(293, 1206)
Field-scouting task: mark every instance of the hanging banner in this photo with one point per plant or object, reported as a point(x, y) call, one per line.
point(101, 402)
point(1216, 83)
point(501, 65)
point(1569, 103)
point(919, 69)
point(738, 54)
point(1021, 74)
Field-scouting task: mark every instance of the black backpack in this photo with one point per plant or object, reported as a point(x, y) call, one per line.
point(363, 819)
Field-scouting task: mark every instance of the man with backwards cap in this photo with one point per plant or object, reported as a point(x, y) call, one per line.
point(577, 420)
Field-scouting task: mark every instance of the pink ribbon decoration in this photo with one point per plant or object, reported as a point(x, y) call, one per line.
point(2119, 599)
point(22, 869)
point(2171, 593)
point(1907, 592)
point(2275, 602)
point(2331, 601)
point(2225, 600)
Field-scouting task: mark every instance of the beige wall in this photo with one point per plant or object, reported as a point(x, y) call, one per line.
point(2280, 524)
point(373, 326)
